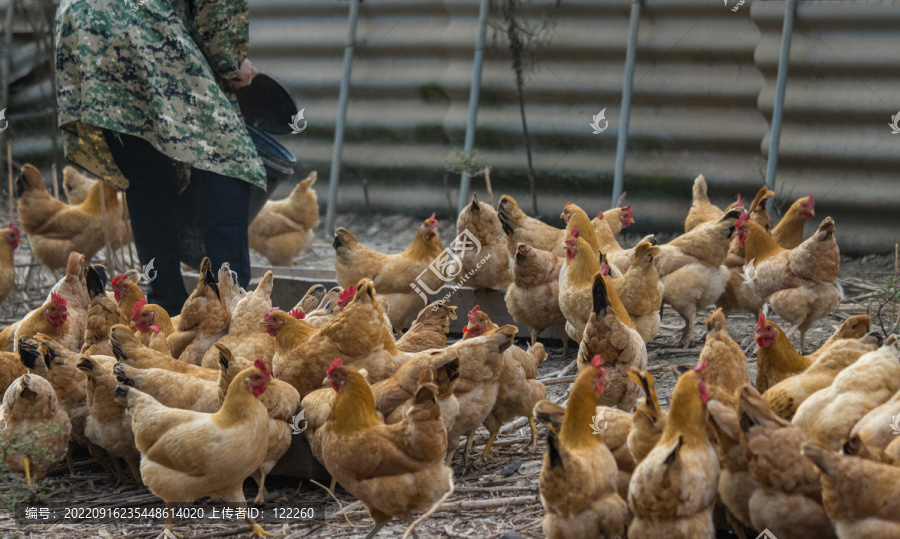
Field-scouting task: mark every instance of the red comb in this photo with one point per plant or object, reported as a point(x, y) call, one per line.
point(137, 308)
point(269, 314)
point(433, 216)
point(117, 278)
point(336, 364)
point(261, 365)
point(628, 209)
point(762, 320)
point(597, 361)
point(472, 314)
point(299, 314)
point(742, 219)
point(59, 300)
point(18, 233)
point(809, 198)
point(604, 269)
point(346, 296)
point(599, 215)
point(739, 203)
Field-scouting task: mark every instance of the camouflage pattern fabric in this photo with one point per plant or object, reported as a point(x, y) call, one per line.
point(155, 69)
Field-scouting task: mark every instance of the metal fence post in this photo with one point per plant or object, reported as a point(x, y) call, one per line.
point(474, 91)
point(341, 118)
point(780, 87)
point(627, 87)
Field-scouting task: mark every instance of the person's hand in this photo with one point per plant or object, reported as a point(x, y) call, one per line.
point(248, 71)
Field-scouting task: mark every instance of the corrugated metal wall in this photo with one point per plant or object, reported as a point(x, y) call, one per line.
point(704, 86)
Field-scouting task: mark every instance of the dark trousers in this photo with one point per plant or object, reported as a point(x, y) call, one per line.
point(151, 197)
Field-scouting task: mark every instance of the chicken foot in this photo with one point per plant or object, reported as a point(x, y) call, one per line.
point(27, 462)
point(260, 479)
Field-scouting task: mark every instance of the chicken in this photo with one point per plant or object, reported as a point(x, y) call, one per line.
point(702, 210)
point(147, 316)
point(36, 429)
point(649, 418)
point(284, 227)
point(102, 314)
point(789, 500)
point(673, 490)
point(332, 303)
point(776, 359)
point(860, 496)
point(229, 288)
point(11, 237)
point(726, 363)
point(692, 271)
point(786, 396)
point(77, 186)
point(55, 228)
point(533, 297)
point(310, 301)
point(736, 484)
point(477, 387)
point(610, 334)
point(128, 349)
point(828, 415)
point(245, 338)
point(11, 367)
point(189, 455)
point(739, 294)
point(579, 477)
point(204, 319)
point(576, 219)
point(172, 389)
point(641, 291)
point(109, 423)
point(394, 470)
point(605, 235)
point(875, 429)
point(126, 292)
point(788, 233)
point(855, 327)
point(758, 215)
point(618, 218)
point(816, 259)
point(575, 281)
point(490, 263)
point(520, 228)
point(429, 330)
point(804, 305)
point(51, 319)
point(357, 333)
point(398, 277)
point(519, 389)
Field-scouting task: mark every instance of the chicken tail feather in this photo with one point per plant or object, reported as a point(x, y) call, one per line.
point(601, 299)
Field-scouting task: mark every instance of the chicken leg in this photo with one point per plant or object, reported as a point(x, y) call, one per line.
point(27, 469)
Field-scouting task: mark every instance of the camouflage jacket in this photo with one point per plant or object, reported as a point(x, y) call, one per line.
point(158, 70)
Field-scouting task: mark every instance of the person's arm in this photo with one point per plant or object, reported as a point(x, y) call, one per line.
point(222, 31)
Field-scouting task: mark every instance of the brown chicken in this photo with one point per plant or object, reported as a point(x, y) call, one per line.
point(204, 319)
point(649, 418)
point(827, 417)
point(145, 317)
point(245, 338)
point(875, 430)
point(393, 275)
point(520, 228)
point(109, 423)
point(284, 227)
point(77, 186)
point(36, 429)
point(102, 314)
point(726, 363)
point(776, 359)
point(400, 469)
point(641, 291)
point(758, 215)
point(789, 500)
point(855, 327)
point(310, 301)
point(860, 496)
point(786, 396)
point(519, 389)
point(11, 237)
point(128, 349)
point(533, 297)
point(430, 328)
point(692, 271)
point(575, 282)
point(126, 292)
point(788, 233)
point(170, 388)
point(804, 305)
point(702, 210)
point(736, 484)
point(189, 455)
point(610, 334)
point(578, 482)
point(618, 218)
point(576, 219)
point(55, 228)
point(357, 333)
point(51, 319)
point(490, 263)
point(673, 490)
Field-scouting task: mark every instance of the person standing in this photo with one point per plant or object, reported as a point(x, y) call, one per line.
point(146, 103)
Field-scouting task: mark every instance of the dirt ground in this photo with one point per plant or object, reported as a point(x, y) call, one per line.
point(497, 498)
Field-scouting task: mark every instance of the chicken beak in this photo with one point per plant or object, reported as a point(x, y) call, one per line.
point(326, 381)
point(270, 383)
